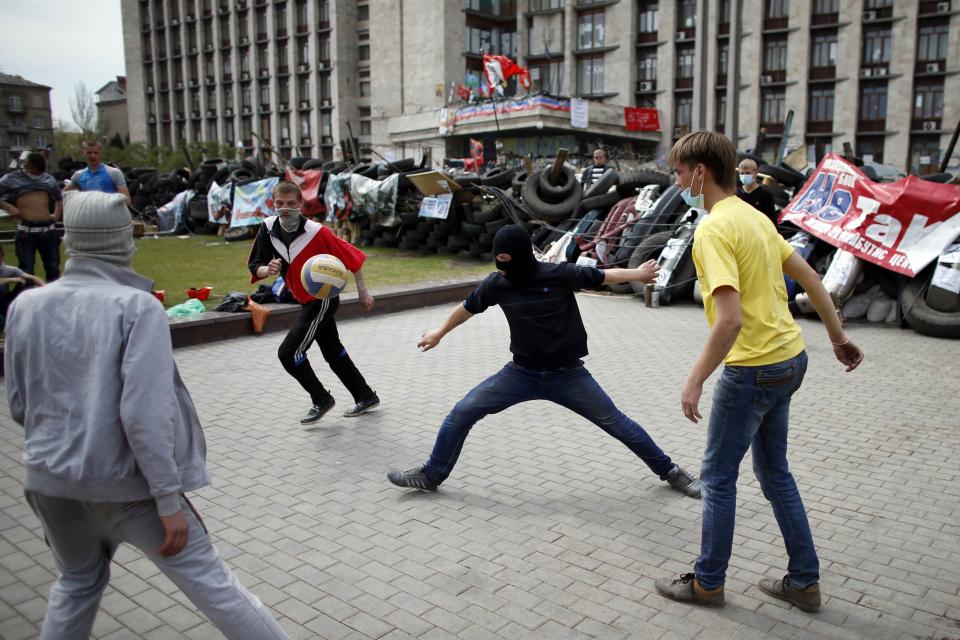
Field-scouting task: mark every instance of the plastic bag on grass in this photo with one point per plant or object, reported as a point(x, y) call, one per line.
point(188, 308)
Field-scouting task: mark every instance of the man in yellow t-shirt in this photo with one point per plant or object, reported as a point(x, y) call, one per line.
point(741, 262)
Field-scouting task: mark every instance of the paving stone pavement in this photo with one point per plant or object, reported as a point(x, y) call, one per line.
point(547, 528)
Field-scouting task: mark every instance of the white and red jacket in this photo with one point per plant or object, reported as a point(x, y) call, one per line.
point(310, 239)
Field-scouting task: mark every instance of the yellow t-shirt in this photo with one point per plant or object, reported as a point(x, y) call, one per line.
point(737, 246)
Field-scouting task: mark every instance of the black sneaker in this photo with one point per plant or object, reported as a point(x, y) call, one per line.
point(362, 407)
point(682, 481)
point(413, 479)
point(317, 411)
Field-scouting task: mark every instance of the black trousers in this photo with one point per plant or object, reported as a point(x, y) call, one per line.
point(47, 243)
point(317, 324)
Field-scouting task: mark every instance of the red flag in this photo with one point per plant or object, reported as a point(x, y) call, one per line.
point(476, 150)
point(641, 119)
point(463, 92)
point(499, 69)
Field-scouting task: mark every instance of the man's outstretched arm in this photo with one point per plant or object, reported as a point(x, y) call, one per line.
point(456, 318)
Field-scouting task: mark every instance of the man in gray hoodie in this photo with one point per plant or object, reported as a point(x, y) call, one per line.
point(112, 437)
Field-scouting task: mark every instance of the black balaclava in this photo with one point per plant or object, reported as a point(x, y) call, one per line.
point(515, 241)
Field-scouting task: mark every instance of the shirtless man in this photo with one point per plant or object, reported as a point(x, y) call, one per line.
point(32, 196)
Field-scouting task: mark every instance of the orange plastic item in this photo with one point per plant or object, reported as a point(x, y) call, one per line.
point(200, 294)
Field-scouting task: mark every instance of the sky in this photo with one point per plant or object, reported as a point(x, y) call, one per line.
point(60, 43)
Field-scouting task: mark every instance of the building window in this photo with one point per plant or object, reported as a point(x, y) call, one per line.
point(303, 51)
point(19, 140)
point(721, 110)
point(590, 75)
point(363, 52)
point(284, 122)
point(245, 61)
point(265, 95)
point(325, 87)
point(724, 14)
point(547, 76)
point(876, 46)
point(684, 110)
point(246, 96)
point(924, 154)
point(261, 24)
point(873, 102)
point(304, 126)
point(280, 20)
point(870, 149)
point(723, 58)
point(686, 14)
point(326, 124)
point(303, 88)
point(685, 62)
point(302, 20)
point(647, 66)
point(878, 4)
point(228, 96)
point(41, 142)
point(226, 65)
point(772, 108)
point(824, 51)
point(932, 43)
point(775, 55)
point(649, 20)
point(778, 9)
point(283, 92)
point(38, 122)
point(823, 7)
point(821, 105)
point(228, 131)
point(365, 127)
point(590, 29)
point(263, 58)
point(323, 49)
point(544, 5)
point(364, 82)
point(363, 12)
point(15, 102)
point(928, 99)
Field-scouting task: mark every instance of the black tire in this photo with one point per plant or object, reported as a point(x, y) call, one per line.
point(784, 175)
point(630, 181)
point(920, 316)
point(517, 183)
point(549, 212)
point(603, 184)
point(467, 180)
point(242, 176)
point(297, 162)
point(561, 190)
point(649, 248)
point(403, 164)
point(498, 177)
point(485, 238)
point(496, 225)
point(602, 202)
point(313, 163)
point(409, 218)
point(365, 170)
point(233, 234)
point(487, 213)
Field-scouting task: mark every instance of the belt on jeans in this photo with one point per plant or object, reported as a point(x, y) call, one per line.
point(26, 229)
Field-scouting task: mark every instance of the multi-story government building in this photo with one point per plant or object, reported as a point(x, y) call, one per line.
point(294, 73)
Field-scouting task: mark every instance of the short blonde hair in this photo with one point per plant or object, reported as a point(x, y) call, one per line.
point(91, 144)
point(713, 150)
point(287, 187)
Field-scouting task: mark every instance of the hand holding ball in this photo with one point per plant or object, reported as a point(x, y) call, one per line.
point(324, 276)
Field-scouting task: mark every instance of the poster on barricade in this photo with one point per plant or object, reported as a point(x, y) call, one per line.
point(253, 202)
point(219, 202)
point(309, 181)
point(902, 226)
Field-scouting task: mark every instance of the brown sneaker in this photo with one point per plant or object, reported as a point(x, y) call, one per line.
point(807, 599)
point(685, 587)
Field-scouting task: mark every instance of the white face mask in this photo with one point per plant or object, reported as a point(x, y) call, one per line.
point(746, 179)
point(289, 219)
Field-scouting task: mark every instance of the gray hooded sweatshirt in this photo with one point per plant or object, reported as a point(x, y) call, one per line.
point(90, 376)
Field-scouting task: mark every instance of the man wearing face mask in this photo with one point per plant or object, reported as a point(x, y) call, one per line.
point(548, 340)
point(32, 196)
point(283, 244)
point(752, 192)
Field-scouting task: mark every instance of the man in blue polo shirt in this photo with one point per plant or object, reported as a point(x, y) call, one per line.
point(98, 176)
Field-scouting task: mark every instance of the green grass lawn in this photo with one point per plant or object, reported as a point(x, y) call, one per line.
point(176, 264)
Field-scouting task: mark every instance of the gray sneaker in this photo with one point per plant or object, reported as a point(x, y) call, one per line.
point(412, 479)
point(807, 599)
point(685, 587)
point(683, 481)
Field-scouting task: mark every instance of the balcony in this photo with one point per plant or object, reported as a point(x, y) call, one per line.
point(263, 36)
point(723, 29)
point(174, 21)
point(305, 140)
point(323, 26)
point(686, 34)
point(285, 142)
point(164, 87)
point(882, 14)
point(326, 103)
point(934, 7)
point(823, 73)
point(17, 128)
point(776, 24)
point(303, 68)
point(190, 19)
point(323, 65)
point(326, 140)
point(927, 125)
point(224, 11)
point(283, 108)
point(227, 77)
point(241, 5)
point(773, 77)
point(772, 128)
point(194, 83)
point(177, 53)
point(208, 48)
point(283, 70)
point(211, 113)
point(195, 114)
point(225, 44)
point(281, 34)
point(819, 127)
point(192, 50)
point(303, 29)
point(228, 112)
point(824, 19)
point(683, 83)
point(211, 81)
point(178, 85)
point(874, 71)
point(244, 76)
point(149, 91)
point(924, 67)
point(181, 116)
point(246, 109)
point(646, 38)
point(264, 73)
point(871, 125)
point(304, 105)
point(265, 108)
point(244, 41)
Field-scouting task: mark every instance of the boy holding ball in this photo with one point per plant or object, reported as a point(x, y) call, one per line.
point(283, 245)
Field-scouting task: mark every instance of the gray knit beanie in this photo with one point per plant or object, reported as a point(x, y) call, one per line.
point(98, 225)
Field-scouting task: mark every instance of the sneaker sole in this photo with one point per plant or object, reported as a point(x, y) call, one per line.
point(699, 603)
point(786, 598)
point(347, 414)
point(406, 486)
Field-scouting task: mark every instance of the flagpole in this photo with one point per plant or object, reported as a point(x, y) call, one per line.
point(493, 92)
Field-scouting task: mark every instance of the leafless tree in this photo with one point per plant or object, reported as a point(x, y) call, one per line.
point(83, 110)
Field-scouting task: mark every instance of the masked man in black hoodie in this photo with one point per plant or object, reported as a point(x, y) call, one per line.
point(548, 340)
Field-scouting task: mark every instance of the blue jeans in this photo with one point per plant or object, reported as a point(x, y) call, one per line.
point(751, 408)
point(572, 387)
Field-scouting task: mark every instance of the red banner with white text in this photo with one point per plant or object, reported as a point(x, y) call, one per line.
point(641, 119)
point(902, 226)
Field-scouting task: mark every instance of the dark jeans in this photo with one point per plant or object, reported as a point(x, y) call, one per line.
point(751, 408)
point(572, 387)
point(316, 323)
point(47, 243)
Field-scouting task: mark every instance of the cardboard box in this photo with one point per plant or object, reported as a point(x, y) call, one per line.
point(432, 183)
